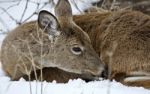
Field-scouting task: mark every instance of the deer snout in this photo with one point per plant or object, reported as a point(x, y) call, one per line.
point(101, 71)
point(104, 73)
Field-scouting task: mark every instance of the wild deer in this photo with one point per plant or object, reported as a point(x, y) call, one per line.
point(122, 40)
point(51, 41)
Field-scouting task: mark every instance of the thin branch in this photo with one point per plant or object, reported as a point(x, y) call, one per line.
point(36, 11)
point(29, 17)
point(76, 6)
point(26, 6)
point(13, 5)
point(12, 18)
point(8, 1)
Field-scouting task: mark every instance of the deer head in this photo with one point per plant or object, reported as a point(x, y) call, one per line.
point(73, 51)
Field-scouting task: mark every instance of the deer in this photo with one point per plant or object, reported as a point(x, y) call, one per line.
point(50, 42)
point(121, 39)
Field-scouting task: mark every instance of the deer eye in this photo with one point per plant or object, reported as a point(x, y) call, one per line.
point(76, 50)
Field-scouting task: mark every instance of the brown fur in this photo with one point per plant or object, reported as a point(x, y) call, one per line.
point(122, 41)
point(144, 83)
point(29, 47)
point(125, 35)
point(50, 74)
point(129, 30)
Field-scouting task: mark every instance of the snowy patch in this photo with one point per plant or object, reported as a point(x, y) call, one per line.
point(72, 87)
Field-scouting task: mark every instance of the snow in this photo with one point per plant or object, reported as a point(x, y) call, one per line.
point(1, 71)
point(76, 86)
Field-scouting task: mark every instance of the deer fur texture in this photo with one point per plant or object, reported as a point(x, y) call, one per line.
point(129, 30)
point(121, 39)
point(50, 42)
point(125, 36)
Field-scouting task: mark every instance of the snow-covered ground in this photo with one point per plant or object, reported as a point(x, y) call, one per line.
point(76, 86)
point(72, 87)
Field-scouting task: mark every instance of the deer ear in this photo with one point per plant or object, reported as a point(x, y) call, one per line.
point(63, 8)
point(48, 22)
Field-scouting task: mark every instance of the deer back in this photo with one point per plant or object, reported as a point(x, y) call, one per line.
point(121, 39)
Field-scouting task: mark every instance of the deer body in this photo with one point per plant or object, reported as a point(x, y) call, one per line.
point(122, 40)
point(50, 42)
point(129, 30)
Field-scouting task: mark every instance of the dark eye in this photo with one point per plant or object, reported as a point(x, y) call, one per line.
point(76, 50)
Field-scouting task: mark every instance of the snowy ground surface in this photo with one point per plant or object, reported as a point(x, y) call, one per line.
point(77, 86)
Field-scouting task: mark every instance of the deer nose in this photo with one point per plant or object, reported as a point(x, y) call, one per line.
point(104, 73)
